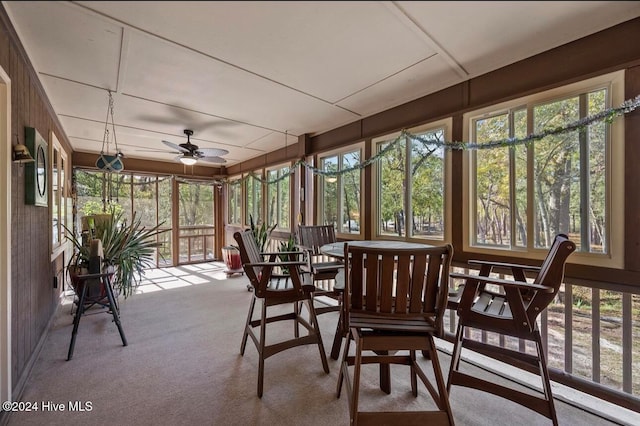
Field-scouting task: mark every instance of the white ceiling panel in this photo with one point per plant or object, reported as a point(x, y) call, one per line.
point(426, 77)
point(241, 75)
point(67, 41)
point(202, 82)
point(307, 46)
point(484, 36)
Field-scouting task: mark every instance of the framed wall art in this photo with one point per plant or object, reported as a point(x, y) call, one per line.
point(36, 189)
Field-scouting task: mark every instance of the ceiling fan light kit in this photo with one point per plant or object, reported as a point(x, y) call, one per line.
point(189, 154)
point(188, 159)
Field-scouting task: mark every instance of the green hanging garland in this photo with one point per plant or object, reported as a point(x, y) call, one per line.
point(607, 116)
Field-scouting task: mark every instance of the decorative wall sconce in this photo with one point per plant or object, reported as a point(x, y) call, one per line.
point(21, 153)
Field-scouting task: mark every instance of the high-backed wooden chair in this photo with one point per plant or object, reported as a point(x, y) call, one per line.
point(395, 301)
point(259, 272)
point(511, 312)
point(322, 271)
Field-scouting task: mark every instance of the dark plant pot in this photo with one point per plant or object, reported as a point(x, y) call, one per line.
point(96, 292)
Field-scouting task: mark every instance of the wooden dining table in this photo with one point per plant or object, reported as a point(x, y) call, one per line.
point(337, 250)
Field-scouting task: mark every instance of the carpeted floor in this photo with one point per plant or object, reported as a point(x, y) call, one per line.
point(182, 367)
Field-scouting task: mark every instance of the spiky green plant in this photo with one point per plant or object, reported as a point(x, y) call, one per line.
point(289, 245)
point(128, 247)
point(261, 233)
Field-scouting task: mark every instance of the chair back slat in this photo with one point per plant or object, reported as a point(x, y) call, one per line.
point(315, 236)
point(419, 268)
point(398, 282)
point(372, 266)
point(551, 274)
point(249, 253)
point(402, 284)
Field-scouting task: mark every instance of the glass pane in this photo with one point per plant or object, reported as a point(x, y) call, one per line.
point(254, 200)
point(144, 199)
point(284, 199)
point(196, 204)
point(351, 193)
point(493, 206)
point(597, 141)
point(235, 201)
point(557, 173)
point(427, 186)
point(392, 189)
point(165, 204)
point(330, 192)
point(95, 194)
point(196, 220)
point(272, 198)
point(119, 194)
point(520, 154)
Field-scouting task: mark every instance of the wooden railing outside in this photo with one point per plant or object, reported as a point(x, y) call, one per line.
point(196, 243)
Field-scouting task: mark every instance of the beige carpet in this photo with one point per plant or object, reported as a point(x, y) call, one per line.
point(182, 367)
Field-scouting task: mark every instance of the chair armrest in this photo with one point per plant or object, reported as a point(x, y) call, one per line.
point(281, 252)
point(503, 282)
point(274, 264)
point(504, 265)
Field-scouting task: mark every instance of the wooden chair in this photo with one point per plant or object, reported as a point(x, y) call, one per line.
point(259, 273)
point(322, 271)
point(512, 312)
point(395, 301)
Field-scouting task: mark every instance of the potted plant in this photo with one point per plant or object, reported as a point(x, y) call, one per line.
point(261, 233)
point(128, 248)
point(286, 247)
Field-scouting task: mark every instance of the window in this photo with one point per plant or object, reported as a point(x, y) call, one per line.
point(279, 197)
point(340, 200)
point(234, 189)
point(411, 181)
point(196, 224)
point(253, 197)
point(60, 199)
point(149, 196)
point(522, 195)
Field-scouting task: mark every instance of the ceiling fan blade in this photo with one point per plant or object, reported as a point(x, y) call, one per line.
point(157, 150)
point(174, 146)
point(212, 152)
point(213, 159)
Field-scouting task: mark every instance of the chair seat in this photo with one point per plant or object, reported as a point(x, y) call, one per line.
point(323, 269)
point(418, 325)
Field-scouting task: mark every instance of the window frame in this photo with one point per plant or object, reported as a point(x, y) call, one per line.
point(278, 189)
point(255, 177)
point(235, 183)
point(340, 152)
point(60, 197)
point(614, 151)
point(446, 124)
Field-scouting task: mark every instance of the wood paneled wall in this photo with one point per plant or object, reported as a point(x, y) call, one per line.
point(33, 298)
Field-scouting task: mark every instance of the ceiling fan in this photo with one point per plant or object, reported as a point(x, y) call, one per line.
point(189, 153)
